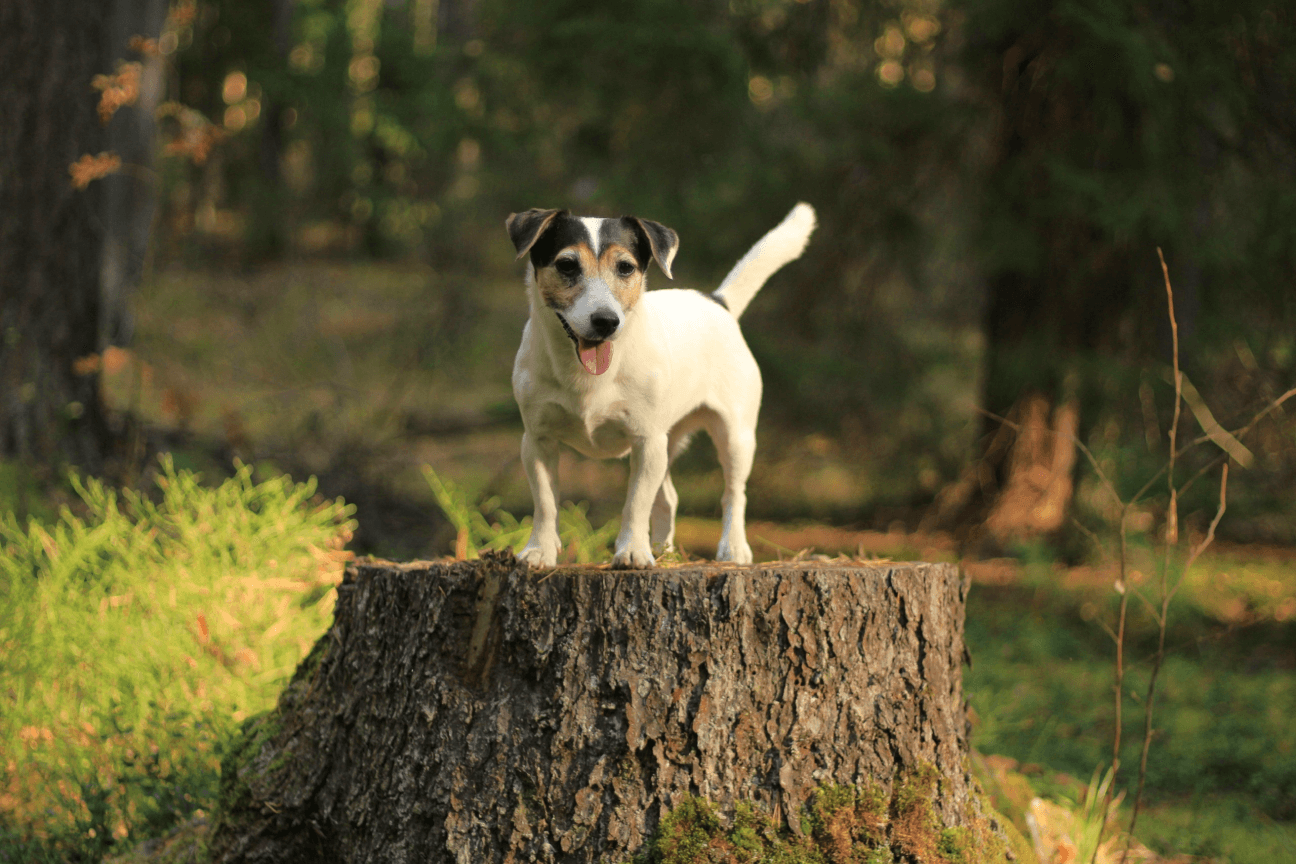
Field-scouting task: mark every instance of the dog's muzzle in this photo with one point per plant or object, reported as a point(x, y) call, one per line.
point(594, 356)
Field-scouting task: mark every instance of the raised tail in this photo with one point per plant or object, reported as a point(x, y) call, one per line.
point(784, 243)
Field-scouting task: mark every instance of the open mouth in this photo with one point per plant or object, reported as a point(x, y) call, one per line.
point(595, 356)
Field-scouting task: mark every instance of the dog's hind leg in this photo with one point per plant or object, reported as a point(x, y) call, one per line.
point(540, 461)
point(736, 447)
point(663, 517)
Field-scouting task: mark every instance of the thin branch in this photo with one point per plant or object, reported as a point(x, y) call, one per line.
point(1172, 514)
point(1221, 457)
point(1151, 609)
point(1171, 541)
point(1265, 412)
point(1122, 587)
point(1160, 654)
point(1093, 538)
point(1210, 533)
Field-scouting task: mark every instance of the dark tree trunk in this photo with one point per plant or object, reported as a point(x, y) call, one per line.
point(1064, 288)
point(478, 712)
point(50, 234)
point(267, 231)
point(129, 196)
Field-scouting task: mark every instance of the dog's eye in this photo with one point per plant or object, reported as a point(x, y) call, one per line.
point(567, 267)
point(625, 268)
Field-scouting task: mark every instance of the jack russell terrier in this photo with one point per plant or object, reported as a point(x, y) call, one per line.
point(610, 369)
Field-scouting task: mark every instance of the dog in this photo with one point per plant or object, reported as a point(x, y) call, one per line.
point(609, 369)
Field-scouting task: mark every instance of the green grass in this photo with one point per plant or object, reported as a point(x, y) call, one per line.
point(134, 634)
point(1041, 687)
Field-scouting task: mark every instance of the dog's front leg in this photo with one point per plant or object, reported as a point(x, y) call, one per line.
point(540, 460)
point(648, 464)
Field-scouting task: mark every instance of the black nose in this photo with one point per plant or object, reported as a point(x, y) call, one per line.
point(604, 323)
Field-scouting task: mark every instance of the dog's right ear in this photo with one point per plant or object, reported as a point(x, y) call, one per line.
point(526, 227)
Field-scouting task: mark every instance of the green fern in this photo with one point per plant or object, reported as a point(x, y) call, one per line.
point(486, 526)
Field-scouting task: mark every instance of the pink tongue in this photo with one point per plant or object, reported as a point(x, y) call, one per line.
point(596, 358)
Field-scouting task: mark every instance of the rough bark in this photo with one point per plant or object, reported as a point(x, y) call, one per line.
point(50, 233)
point(478, 712)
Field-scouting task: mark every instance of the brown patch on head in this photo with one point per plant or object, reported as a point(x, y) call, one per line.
point(557, 292)
point(623, 274)
point(559, 283)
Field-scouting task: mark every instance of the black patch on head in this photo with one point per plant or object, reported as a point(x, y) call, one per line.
point(565, 230)
point(625, 232)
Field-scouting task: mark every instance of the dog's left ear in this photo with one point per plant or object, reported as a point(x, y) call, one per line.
point(663, 241)
point(526, 227)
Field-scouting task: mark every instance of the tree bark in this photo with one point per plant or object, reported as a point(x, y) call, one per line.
point(480, 712)
point(50, 233)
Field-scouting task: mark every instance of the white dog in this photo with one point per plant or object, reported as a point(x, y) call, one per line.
point(609, 369)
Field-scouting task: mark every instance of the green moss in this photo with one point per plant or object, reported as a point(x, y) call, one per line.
point(840, 825)
point(872, 800)
point(879, 855)
point(955, 845)
point(915, 828)
point(253, 734)
point(687, 833)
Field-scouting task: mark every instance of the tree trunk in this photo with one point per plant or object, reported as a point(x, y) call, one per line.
point(1022, 485)
point(480, 712)
point(267, 232)
point(129, 196)
point(50, 233)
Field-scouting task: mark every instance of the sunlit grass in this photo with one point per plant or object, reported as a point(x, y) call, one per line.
point(132, 638)
point(1041, 688)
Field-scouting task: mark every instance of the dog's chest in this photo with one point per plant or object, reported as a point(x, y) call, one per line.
point(600, 431)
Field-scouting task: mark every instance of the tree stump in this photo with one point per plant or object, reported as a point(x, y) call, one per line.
point(480, 712)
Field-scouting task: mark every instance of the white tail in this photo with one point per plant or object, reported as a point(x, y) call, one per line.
point(784, 243)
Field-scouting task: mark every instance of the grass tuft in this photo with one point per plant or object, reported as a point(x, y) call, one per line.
point(135, 634)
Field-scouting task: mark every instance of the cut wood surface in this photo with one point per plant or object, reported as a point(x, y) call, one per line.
point(481, 712)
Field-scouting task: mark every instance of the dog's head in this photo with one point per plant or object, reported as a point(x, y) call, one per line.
point(591, 272)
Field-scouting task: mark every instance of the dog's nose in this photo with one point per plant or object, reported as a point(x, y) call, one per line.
point(604, 323)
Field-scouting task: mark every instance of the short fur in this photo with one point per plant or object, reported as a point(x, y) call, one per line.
point(673, 362)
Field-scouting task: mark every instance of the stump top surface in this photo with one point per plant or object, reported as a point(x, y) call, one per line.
point(816, 562)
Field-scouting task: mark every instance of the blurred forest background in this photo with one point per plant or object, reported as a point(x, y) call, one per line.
point(273, 232)
point(303, 260)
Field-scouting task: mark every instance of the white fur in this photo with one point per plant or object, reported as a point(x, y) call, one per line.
point(784, 243)
point(679, 363)
point(592, 224)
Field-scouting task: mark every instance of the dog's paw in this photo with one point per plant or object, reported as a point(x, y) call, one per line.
point(739, 553)
point(635, 556)
point(534, 556)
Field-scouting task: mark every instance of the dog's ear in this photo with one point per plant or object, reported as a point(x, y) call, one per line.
point(663, 242)
point(526, 227)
